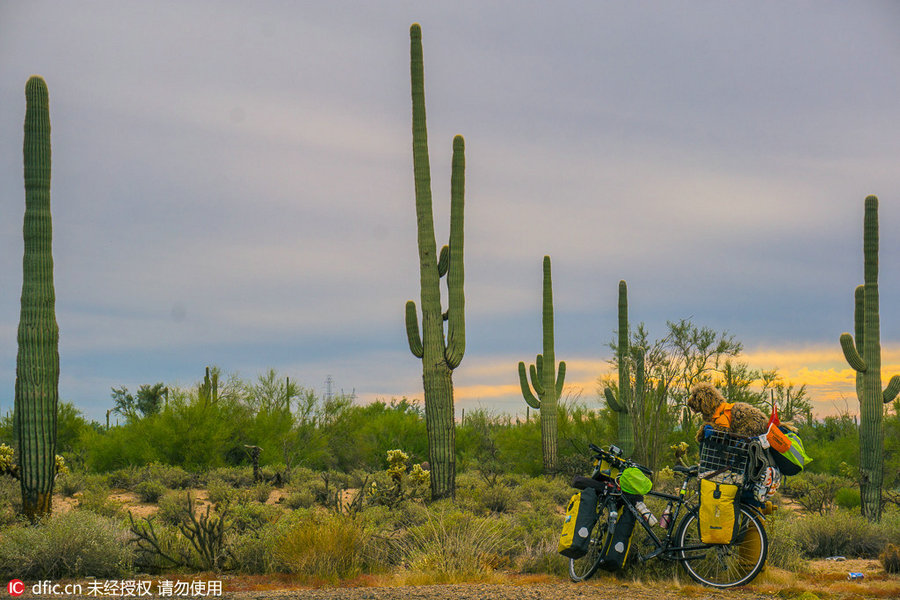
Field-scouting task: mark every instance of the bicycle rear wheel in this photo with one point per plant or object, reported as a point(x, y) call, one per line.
point(584, 567)
point(724, 565)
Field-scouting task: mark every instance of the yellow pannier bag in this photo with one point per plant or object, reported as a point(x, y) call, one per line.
point(581, 516)
point(719, 512)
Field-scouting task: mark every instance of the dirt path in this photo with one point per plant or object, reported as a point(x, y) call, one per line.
point(473, 591)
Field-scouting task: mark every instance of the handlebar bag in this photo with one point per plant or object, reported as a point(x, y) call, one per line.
point(720, 510)
point(618, 540)
point(633, 481)
point(581, 516)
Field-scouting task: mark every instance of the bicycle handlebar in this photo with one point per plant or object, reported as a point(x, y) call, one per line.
point(619, 463)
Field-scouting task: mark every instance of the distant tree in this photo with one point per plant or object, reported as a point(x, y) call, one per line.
point(149, 400)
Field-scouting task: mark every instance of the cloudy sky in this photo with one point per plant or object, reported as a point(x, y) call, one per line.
point(232, 183)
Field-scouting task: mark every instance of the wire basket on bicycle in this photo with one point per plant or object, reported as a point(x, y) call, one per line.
point(724, 457)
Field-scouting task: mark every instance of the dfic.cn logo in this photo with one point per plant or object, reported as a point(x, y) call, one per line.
point(16, 587)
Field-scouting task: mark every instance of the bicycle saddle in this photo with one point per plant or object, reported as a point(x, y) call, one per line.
point(693, 470)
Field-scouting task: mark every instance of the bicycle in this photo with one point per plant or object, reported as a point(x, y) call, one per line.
point(714, 565)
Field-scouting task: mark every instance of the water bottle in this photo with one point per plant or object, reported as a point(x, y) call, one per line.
point(613, 517)
point(645, 512)
point(666, 518)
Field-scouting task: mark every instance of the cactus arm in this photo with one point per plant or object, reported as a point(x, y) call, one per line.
point(444, 261)
point(851, 354)
point(859, 322)
point(893, 387)
point(560, 379)
point(612, 401)
point(537, 372)
point(412, 330)
point(456, 324)
point(526, 389)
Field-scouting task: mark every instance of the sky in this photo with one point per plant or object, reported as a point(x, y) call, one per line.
point(232, 184)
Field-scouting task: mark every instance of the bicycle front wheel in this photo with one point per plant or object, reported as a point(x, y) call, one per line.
point(584, 567)
point(724, 565)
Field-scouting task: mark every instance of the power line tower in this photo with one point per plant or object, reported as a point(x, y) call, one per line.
point(329, 388)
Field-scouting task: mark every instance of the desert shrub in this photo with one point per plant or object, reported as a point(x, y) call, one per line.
point(72, 544)
point(252, 516)
point(300, 498)
point(890, 558)
point(236, 477)
point(848, 498)
point(69, 484)
point(838, 532)
point(95, 498)
point(543, 491)
point(125, 478)
point(173, 507)
point(452, 544)
point(10, 500)
point(814, 491)
point(260, 492)
point(150, 490)
point(172, 477)
point(328, 548)
point(784, 548)
point(220, 492)
point(256, 551)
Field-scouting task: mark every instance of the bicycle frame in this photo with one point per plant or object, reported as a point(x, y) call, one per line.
point(663, 547)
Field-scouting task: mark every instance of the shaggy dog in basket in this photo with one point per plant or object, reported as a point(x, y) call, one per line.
point(744, 419)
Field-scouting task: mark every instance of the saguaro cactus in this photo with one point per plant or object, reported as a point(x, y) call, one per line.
point(37, 361)
point(864, 355)
point(439, 356)
point(629, 399)
point(544, 379)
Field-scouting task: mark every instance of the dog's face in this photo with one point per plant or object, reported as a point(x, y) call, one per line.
point(704, 399)
point(694, 402)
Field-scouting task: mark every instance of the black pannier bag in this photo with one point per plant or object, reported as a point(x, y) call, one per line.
point(581, 516)
point(618, 540)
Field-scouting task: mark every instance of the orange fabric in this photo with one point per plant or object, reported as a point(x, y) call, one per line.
point(777, 439)
point(722, 415)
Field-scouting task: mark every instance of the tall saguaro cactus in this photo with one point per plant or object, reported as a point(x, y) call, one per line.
point(439, 356)
point(544, 379)
point(864, 355)
point(629, 399)
point(37, 361)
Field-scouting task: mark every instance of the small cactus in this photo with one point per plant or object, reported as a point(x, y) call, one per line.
point(629, 399)
point(545, 379)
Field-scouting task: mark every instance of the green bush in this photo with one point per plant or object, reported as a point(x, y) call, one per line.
point(329, 548)
point(95, 498)
point(69, 484)
point(848, 498)
point(452, 544)
point(149, 491)
point(840, 532)
point(68, 545)
point(261, 492)
point(220, 492)
point(784, 548)
point(173, 507)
